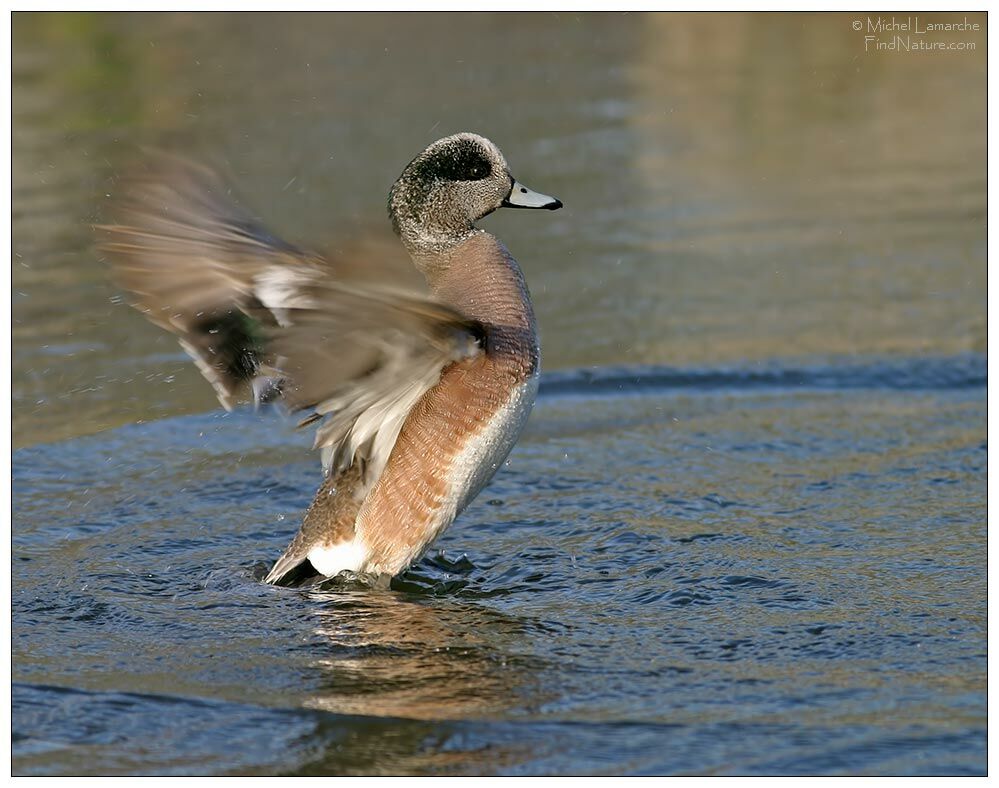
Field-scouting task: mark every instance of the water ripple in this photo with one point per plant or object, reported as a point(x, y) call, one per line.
point(931, 373)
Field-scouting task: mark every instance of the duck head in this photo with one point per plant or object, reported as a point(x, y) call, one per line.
point(449, 186)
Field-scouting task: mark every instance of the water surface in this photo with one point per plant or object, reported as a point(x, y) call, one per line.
point(745, 529)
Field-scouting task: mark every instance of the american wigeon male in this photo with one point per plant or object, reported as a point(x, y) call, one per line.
point(419, 391)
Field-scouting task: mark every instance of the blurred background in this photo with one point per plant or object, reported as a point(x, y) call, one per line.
point(737, 187)
point(744, 531)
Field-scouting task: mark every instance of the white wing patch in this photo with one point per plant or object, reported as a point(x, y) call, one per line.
point(281, 289)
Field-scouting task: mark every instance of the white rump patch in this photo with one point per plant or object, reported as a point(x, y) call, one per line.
point(345, 556)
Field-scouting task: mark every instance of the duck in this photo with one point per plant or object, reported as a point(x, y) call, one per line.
point(418, 371)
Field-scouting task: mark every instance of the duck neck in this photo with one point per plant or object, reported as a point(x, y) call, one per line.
point(479, 277)
point(427, 242)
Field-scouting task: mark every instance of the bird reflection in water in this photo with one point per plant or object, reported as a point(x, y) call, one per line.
point(399, 654)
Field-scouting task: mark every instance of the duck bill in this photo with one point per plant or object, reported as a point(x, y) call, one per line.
point(522, 197)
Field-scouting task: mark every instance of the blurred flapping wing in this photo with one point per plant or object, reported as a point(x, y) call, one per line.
point(354, 340)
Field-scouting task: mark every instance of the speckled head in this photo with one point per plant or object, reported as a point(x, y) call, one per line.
point(451, 185)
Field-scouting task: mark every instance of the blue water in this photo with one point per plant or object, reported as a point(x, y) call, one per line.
point(733, 571)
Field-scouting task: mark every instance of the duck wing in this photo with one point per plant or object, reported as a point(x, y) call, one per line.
point(352, 339)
